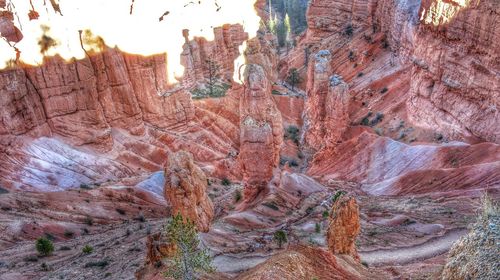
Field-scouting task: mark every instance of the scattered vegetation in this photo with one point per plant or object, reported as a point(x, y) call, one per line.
point(348, 30)
point(140, 218)
point(65, 248)
point(68, 234)
point(293, 78)
point(100, 264)
point(292, 132)
point(280, 237)
point(474, 255)
point(215, 90)
point(31, 258)
point(317, 228)
point(337, 195)
point(384, 90)
point(291, 162)
point(325, 214)
point(3, 191)
point(120, 211)
point(88, 220)
point(87, 249)
point(44, 246)
point(271, 205)
point(275, 92)
point(85, 187)
point(237, 196)
point(190, 259)
point(226, 182)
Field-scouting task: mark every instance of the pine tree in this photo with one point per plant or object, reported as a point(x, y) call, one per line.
point(189, 259)
point(293, 78)
point(280, 237)
point(213, 75)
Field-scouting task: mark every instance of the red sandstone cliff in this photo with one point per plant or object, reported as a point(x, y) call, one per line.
point(186, 190)
point(261, 132)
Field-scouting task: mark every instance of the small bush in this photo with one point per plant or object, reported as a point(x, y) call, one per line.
point(317, 228)
point(87, 249)
point(141, 218)
point(271, 205)
point(68, 234)
point(348, 30)
point(30, 259)
point(384, 90)
point(280, 237)
point(360, 74)
point(226, 182)
point(85, 187)
point(292, 133)
point(337, 195)
point(325, 214)
point(120, 211)
point(44, 267)
point(44, 246)
point(100, 264)
point(89, 221)
point(237, 196)
point(275, 92)
point(3, 191)
point(65, 248)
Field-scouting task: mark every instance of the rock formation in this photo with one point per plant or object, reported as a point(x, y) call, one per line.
point(261, 132)
point(344, 226)
point(222, 51)
point(327, 110)
point(158, 247)
point(305, 263)
point(453, 81)
point(185, 190)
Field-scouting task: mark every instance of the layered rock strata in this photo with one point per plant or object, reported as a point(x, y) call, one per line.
point(186, 190)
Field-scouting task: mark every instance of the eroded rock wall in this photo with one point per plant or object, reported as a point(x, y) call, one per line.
point(261, 132)
point(186, 190)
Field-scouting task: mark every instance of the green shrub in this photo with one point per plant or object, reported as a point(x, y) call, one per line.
point(348, 30)
point(280, 237)
point(337, 195)
point(317, 228)
point(237, 195)
point(271, 205)
point(30, 258)
point(293, 133)
point(68, 234)
point(87, 249)
point(384, 90)
point(326, 214)
point(100, 264)
point(89, 221)
point(44, 246)
point(226, 182)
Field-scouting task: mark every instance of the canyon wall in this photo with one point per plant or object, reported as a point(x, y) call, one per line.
point(451, 48)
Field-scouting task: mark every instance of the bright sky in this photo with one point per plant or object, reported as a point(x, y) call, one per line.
point(139, 33)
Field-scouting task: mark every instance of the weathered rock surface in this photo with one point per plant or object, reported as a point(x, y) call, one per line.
point(186, 190)
point(261, 132)
point(451, 48)
point(305, 263)
point(327, 111)
point(222, 52)
point(344, 226)
point(387, 167)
